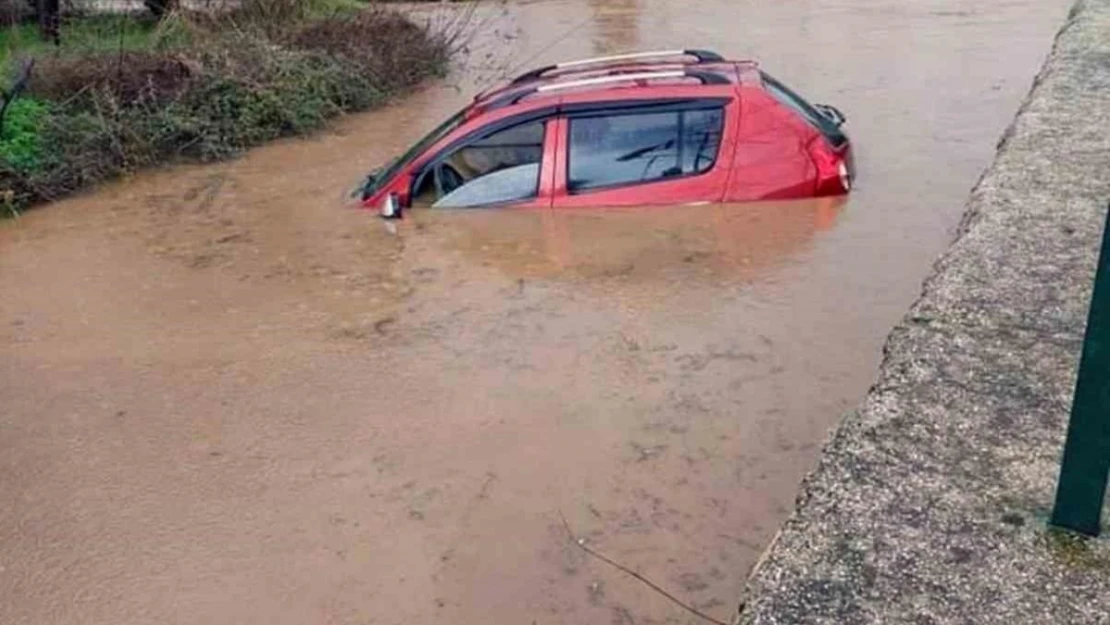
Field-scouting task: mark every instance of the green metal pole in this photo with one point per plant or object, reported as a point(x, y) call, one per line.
point(1083, 473)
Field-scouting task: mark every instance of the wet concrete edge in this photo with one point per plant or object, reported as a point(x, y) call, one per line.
point(928, 504)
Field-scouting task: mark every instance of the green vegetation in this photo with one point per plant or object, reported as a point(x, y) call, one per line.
point(20, 144)
point(124, 93)
point(98, 32)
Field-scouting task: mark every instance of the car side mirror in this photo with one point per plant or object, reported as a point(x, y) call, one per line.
point(391, 207)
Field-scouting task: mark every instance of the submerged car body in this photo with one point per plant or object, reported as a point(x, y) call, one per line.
point(671, 127)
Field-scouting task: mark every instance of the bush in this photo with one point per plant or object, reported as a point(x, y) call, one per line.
point(392, 50)
point(20, 144)
point(106, 112)
point(133, 77)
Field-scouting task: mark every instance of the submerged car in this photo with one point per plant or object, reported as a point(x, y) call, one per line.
point(668, 127)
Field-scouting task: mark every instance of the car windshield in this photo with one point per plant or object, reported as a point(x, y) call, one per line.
point(415, 151)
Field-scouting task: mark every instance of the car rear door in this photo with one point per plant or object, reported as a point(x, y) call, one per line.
point(630, 153)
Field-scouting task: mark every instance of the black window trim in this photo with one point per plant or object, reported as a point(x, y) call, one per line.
point(655, 106)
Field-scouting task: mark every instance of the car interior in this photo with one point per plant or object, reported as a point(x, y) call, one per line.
point(511, 148)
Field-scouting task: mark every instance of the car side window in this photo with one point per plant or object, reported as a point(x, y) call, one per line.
point(498, 168)
point(632, 148)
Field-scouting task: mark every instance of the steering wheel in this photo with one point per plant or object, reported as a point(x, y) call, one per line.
point(447, 179)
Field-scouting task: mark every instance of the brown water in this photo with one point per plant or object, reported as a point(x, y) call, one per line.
point(226, 399)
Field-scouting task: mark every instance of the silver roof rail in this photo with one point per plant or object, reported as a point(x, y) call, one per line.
point(701, 56)
point(634, 56)
point(512, 97)
point(601, 80)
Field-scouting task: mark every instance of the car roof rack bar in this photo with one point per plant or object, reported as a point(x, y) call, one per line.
point(702, 56)
point(601, 80)
point(706, 78)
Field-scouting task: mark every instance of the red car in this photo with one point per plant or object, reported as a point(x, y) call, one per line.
point(670, 127)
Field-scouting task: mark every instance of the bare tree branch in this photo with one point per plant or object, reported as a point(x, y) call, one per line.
point(581, 542)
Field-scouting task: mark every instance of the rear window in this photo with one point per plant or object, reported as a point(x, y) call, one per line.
point(632, 148)
point(800, 106)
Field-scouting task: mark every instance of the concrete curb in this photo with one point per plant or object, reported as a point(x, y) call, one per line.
point(929, 502)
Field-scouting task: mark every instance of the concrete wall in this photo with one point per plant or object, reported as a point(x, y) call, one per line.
point(930, 500)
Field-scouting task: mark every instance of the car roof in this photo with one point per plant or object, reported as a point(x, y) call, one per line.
point(662, 68)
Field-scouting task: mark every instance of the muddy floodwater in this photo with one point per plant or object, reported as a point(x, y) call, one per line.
point(227, 397)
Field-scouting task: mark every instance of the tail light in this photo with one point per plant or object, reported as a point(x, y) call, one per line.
point(833, 175)
point(845, 177)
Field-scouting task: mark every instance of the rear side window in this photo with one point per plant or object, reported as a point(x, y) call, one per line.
point(800, 106)
point(632, 148)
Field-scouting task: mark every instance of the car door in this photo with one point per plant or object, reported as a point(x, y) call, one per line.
point(654, 152)
point(507, 162)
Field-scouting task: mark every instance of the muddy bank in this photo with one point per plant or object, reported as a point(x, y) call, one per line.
point(228, 399)
point(931, 499)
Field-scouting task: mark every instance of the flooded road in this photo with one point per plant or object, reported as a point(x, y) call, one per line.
point(224, 398)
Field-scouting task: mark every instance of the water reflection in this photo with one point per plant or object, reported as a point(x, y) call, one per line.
point(642, 246)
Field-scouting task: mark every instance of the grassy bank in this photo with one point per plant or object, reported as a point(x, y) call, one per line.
point(123, 93)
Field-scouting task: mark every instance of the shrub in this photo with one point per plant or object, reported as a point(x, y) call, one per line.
point(132, 76)
point(109, 112)
point(391, 49)
point(20, 146)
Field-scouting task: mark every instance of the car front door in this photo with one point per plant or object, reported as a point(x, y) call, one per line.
point(509, 162)
point(640, 154)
